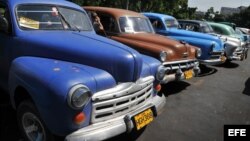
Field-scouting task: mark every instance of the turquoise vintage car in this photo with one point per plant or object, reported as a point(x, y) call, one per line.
point(227, 30)
point(244, 37)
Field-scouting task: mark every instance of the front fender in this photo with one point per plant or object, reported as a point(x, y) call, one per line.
point(48, 82)
point(150, 66)
point(230, 47)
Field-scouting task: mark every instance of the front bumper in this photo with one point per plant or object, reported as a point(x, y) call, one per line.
point(116, 126)
point(239, 54)
point(175, 70)
point(216, 58)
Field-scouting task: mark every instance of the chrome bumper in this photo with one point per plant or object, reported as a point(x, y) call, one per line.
point(218, 61)
point(216, 58)
point(116, 126)
point(239, 55)
point(177, 69)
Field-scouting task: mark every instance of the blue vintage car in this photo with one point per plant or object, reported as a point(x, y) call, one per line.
point(246, 37)
point(65, 80)
point(212, 47)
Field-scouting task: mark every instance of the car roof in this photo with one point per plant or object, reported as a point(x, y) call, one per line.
point(192, 21)
point(158, 15)
point(116, 12)
point(66, 3)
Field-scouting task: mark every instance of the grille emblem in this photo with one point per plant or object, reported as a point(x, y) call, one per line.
point(185, 55)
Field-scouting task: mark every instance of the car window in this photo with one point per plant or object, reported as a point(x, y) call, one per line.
point(171, 23)
point(237, 31)
point(156, 23)
point(135, 24)
point(109, 23)
point(6, 14)
point(217, 30)
point(191, 27)
point(48, 17)
point(182, 25)
point(205, 28)
point(232, 31)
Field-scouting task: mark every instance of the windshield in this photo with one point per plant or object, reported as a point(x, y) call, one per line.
point(231, 30)
point(171, 23)
point(206, 28)
point(237, 31)
point(135, 24)
point(47, 17)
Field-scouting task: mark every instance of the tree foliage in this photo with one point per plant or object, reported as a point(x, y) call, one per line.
point(241, 19)
point(176, 8)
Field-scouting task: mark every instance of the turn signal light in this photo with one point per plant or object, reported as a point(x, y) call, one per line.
point(79, 118)
point(158, 87)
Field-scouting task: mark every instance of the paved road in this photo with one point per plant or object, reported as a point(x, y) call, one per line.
point(196, 110)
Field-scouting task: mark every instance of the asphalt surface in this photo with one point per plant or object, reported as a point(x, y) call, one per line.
point(196, 110)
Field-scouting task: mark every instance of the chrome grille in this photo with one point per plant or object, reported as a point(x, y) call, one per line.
point(121, 100)
point(183, 65)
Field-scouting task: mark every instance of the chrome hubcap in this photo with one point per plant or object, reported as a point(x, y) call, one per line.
point(33, 127)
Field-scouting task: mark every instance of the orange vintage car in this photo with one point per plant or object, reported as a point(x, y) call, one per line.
point(135, 30)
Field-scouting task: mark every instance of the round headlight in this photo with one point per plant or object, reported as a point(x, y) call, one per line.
point(160, 73)
point(163, 56)
point(198, 53)
point(78, 96)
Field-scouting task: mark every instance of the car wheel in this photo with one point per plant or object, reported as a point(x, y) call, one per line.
point(30, 123)
point(228, 61)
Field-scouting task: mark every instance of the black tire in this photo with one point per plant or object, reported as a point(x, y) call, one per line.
point(228, 61)
point(27, 115)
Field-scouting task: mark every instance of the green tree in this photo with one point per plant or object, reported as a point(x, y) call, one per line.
point(219, 17)
point(176, 8)
point(241, 19)
point(210, 14)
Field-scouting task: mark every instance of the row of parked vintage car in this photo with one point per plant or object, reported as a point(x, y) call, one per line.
point(65, 80)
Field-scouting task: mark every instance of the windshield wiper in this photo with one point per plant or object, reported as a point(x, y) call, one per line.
point(76, 28)
point(68, 24)
point(64, 20)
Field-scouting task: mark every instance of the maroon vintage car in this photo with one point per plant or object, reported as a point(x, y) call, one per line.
point(135, 30)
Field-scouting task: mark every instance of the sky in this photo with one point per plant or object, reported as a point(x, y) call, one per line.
point(203, 5)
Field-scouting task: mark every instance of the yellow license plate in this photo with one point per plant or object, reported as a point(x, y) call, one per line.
point(188, 74)
point(143, 119)
point(223, 58)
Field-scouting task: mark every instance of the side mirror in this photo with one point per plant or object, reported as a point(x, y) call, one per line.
point(3, 24)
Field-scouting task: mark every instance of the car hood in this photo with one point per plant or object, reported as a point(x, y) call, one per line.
point(229, 40)
point(122, 62)
point(152, 44)
point(181, 32)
